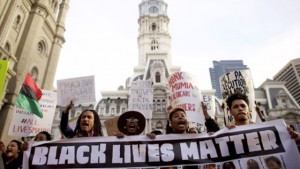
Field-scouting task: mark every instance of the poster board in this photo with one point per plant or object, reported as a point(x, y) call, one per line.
point(141, 97)
point(80, 90)
point(26, 124)
point(185, 93)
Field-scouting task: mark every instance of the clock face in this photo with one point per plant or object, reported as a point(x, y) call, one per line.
point(153, 9)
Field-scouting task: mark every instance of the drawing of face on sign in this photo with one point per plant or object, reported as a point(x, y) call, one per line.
point(239, 81)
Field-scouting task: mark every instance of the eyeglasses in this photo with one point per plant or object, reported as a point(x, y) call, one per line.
point(132, 119)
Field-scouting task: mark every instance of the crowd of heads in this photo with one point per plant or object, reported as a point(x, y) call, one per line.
point(131, 123)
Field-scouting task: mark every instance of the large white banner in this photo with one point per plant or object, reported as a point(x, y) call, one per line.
point(238, 81)
point(184, 92)
point(141, 97)
point(25, 124)
point(80, 90)
point(254, 144)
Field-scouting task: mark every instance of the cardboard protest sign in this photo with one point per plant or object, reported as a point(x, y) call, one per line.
point(24, 123)
point(239, 81)
point(3, 71)
point(111, 125)
point(80, 90)
point(239, 146)
point(185, 93)
point(141, 97)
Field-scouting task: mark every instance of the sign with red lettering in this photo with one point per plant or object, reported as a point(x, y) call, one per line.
point(24, 123)
point(185, 93)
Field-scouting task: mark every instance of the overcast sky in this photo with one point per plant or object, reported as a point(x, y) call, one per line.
point(101, 38)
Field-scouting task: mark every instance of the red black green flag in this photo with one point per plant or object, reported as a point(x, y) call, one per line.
point(29, 96)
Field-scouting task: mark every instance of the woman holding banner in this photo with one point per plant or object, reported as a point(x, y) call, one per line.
point(178, 121)
point(43, 136)
point(87, 125)
point(179, 125)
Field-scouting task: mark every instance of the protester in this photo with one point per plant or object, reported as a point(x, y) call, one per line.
point(252, 164)
point(238, 105)
point(13, 156)
point(87, 125)
point(2, 147)
point(229, 165)
point(2, 150)
point(1, 163)
point(178, 125)
point(178, 120)
point(193, 130)
point(210, 124)
point(210, 166)
point(42, 136)
point(273, 162)
point(130, 123)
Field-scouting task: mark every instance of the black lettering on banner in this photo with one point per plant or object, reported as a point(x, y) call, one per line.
point(223, 147)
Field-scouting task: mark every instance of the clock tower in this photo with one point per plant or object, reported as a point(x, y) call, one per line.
point(154, 40)
point(154, 63)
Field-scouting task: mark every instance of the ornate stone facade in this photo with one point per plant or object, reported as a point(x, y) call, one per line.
point(31, 37)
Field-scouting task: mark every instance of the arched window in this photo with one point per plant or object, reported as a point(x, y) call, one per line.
point(7, 47)
point(158, 106)
point(157, 77)
point(164, 105)
point(153, 26)
point(154, 45)
point(41, 47)
point(18, 20)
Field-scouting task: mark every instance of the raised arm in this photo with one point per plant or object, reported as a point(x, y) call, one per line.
point(210, 123)
point(64, 125)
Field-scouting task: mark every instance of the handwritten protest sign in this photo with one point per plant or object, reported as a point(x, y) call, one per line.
point(3, 71)
point(80, 90)
point(185, 93)
point(24, 123)
point(238, 81)
point(257, 142)
point(141, 97)
point(111, 125)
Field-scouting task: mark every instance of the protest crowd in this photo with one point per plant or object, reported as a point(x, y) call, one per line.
point(132, 123)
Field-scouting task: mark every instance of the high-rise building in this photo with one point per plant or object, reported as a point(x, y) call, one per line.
point(31, 37)
point(220, 68)
point(290, 74)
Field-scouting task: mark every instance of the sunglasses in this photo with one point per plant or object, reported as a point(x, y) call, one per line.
point(132, 119)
